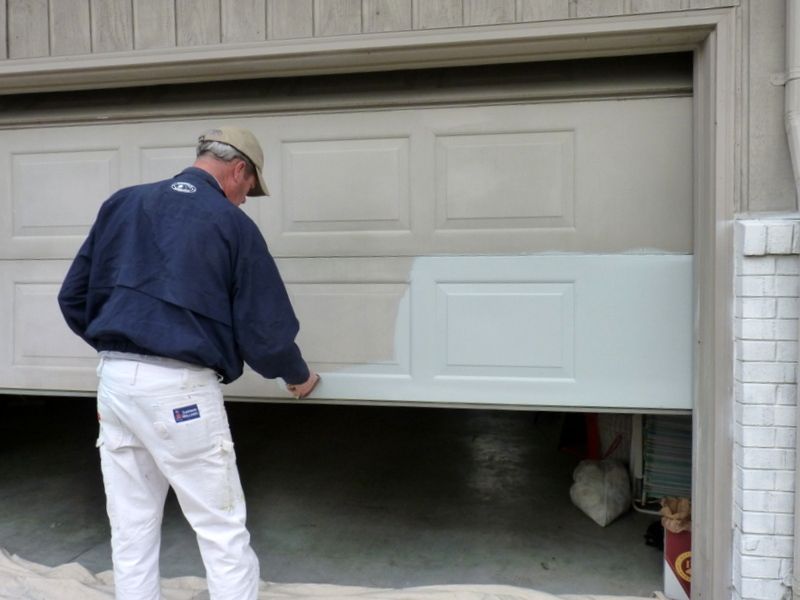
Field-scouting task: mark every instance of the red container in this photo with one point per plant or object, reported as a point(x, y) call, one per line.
point(678, 565)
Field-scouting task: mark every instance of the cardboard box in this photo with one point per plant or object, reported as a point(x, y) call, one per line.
point(678, 565)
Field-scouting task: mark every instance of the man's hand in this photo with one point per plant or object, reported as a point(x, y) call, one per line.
point(301, 390)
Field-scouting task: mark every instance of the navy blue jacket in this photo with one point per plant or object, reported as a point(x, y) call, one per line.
point(174, 269)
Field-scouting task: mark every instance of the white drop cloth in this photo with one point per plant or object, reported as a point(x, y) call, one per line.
point(24, 580)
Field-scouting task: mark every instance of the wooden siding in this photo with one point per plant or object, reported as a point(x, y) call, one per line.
point(243, 21)
point(198, 22)
point(290, 19)
point(70, 28)
point(387, 15)
point(38, 28)
point(489, 12)
point(112, 25)
point(337, 17)
point(3, 29)
point(153, 24)
point(28, 31)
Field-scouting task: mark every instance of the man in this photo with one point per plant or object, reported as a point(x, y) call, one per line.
point(175, 287)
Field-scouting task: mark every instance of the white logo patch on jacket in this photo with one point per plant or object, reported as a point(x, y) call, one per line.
point(183, 187)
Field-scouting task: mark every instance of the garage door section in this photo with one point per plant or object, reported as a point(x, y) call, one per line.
point(531, 254)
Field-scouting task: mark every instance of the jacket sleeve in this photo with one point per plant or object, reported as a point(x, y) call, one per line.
point(264, 322)
point(72, 298)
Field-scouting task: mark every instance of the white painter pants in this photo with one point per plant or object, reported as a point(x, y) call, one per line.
point(163, 423)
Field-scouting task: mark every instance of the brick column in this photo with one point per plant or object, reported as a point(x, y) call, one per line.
point(766, 331)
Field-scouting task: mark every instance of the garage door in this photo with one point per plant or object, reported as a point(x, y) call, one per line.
point(530, 254)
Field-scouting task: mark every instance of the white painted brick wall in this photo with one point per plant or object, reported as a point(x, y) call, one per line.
point(765, 437)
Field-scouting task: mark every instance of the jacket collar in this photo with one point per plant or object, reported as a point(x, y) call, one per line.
point(201, 174)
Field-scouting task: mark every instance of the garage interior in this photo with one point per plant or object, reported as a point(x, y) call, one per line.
point(349, 495)
point(379, 496)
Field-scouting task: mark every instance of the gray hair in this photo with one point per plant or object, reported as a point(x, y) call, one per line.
point(223, 152)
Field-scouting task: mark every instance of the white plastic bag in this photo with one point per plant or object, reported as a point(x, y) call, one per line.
point(602, 489)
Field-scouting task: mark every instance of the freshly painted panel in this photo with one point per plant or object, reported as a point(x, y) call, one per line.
point(430, 14)
point(243, 21)
point(346, 185)
point(337, 17)
point(70, 29)
point(505, 329)
point(112, 25)
point(290, 19)
point(645, 6)
point(154, 24)
point(599, 8)
point(65, 201)
point(489, 12)
point(198, 22)
point(622, 326)
point(528, 176)
point(578, 331)
point(28, 32)
point(542, 10)
point(387, 15)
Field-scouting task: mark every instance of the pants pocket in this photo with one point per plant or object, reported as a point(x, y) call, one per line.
point(189, 421)
point(112, 431)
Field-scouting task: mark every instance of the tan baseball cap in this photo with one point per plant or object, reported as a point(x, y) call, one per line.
point(245, 142)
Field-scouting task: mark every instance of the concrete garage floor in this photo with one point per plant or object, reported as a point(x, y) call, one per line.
point(384, 497)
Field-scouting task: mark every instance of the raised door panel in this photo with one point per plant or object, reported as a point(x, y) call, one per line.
point(565, 177)
point(355, 328)
point(603, 332)
point(576, 177)
point(561, 331)
point(570, 330)
point(38, 351)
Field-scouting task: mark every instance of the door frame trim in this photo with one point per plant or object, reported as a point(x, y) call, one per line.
point(709, 34)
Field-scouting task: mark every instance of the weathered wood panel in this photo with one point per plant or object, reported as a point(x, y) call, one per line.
point(542, 10)
point(599, 8)
point(198, 22)
point(430, 14)
point(707, 3)
point(112, 25)
point(70, 29)
point(387, 15)
point(489, 12)
point(154, 24)
point(27, 24)
point(337, 17)
point(290, 19)
point(646, 6)
point(244, 21)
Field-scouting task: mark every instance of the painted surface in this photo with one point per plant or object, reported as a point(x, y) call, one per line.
point(532, 254)
point(561, 330)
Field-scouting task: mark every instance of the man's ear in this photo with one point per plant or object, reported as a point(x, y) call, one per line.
point(238, 168)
